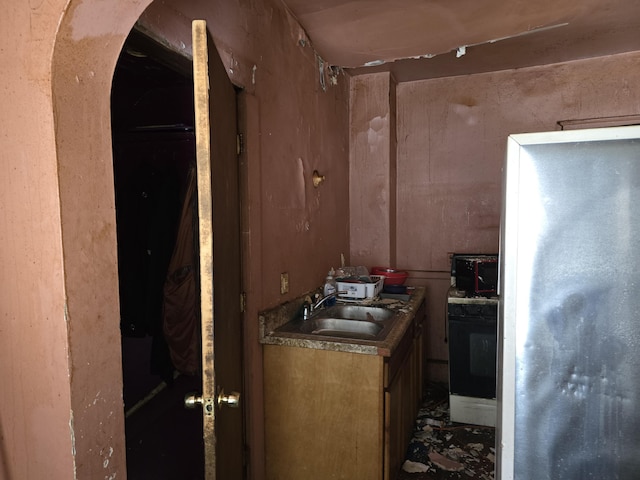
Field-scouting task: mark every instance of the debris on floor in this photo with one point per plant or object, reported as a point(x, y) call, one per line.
point(414, 467)
point(443, 450)
point(445, 463)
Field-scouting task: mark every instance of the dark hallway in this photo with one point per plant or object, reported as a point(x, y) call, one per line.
point(153, 150)
point(160, 436)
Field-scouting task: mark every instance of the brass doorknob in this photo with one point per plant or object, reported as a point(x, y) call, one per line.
point(193, 400)
point(231, 400)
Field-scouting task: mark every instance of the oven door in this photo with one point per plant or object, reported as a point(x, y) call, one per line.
point(472, 356)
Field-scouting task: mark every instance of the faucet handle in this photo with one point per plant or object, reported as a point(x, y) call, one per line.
point(307, 309)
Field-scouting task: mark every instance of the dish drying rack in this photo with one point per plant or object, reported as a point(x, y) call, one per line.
point(359, 290)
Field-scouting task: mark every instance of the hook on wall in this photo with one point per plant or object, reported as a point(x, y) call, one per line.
point(317, 178)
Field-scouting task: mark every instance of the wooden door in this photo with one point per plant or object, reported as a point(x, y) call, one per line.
point(220, 269)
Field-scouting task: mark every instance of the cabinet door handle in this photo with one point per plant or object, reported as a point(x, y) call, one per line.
point(418, 330)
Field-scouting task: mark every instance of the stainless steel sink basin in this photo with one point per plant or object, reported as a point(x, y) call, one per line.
point(355, 322)
point(341, 327)
point(356, 312)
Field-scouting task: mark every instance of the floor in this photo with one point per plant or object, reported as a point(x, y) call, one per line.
point(443, 450)
point(164, 440)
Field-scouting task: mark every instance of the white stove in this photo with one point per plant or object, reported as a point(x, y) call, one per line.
point(472, 326)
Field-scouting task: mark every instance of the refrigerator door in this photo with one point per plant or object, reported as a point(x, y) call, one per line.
point(569, 317)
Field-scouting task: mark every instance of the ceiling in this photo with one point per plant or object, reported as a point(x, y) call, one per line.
point(419, 39)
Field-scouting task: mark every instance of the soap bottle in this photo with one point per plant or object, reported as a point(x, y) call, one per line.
point(330, 287)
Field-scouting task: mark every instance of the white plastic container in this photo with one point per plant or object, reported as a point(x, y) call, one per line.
point(361, 290)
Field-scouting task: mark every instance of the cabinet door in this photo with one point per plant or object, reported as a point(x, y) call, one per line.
point(399, 415)
point(323, 414)
point(403, 395)
point(418, 359)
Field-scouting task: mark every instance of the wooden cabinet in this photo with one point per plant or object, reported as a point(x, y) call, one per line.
point(341, 415)
point(403, 395)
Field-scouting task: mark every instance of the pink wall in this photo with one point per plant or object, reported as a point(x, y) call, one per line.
point(61, 405)
point(301, 124)
point(451, 137)
point(292, 125)
point(372, 170)
point(34, 370)
point(60, 401)
point(451, 145)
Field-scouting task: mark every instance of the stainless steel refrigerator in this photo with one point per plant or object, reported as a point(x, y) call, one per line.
point(569, 314)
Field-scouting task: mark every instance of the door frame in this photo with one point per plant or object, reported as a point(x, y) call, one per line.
point(219, 216)
point(86, 47)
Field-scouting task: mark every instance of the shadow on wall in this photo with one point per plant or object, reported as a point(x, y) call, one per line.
point(4, 457)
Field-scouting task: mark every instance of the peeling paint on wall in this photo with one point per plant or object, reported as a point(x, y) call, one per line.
point(378, 123)
point(299, 186)
point(303, 40)
point(323, 84)
point(303, 226)
point(333, 74)
point(72, 434)
point(467, 112)
point(107, 456)
point(376, 132)
point(234, 64)
point(95, 399)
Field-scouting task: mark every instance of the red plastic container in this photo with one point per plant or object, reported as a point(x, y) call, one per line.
point(391, 275)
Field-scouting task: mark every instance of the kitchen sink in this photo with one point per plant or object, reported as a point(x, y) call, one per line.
point(357, 322)
point(341, 327)
point(356, 312)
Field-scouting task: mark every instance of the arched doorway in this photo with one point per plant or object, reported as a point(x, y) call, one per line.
point(88, 43)
point(86, 52)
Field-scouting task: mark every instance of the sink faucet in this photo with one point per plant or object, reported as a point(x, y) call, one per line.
point(309, 308)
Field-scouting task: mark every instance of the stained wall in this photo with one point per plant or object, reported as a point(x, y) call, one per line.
point(372, 169)
point(451, 146)
point(35, 413)
point(61, 401)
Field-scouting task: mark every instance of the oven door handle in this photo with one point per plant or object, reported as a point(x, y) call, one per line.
point(446, 322)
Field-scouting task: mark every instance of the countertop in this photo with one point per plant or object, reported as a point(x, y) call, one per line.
point(273, 318)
